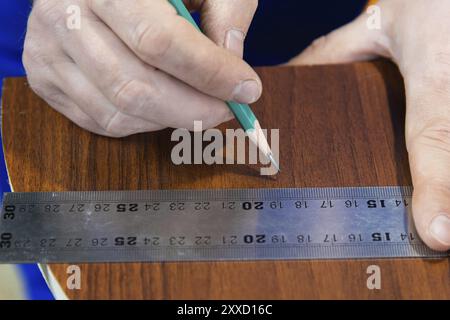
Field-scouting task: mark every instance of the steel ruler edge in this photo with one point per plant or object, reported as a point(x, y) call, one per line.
point(209, 225)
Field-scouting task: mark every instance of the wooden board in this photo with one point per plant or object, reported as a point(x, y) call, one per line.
point(339, 126)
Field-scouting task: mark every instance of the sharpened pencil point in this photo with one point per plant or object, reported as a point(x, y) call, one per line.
point(272, 160)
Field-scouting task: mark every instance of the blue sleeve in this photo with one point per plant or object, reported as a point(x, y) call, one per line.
point(13, 20)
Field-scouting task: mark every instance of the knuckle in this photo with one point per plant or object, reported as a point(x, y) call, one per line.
point(33, 54)
point(151, 40)
point(121, 125)
point(42, 86)
point(131, 96)
point(111, 127)
point(212, 78)
point(101, 5)
point(124, 95)
point(105, 70)
point(94, 4)
point(48, 12)
point(114, 130)
point(39, 87)
point(211, 74)
point(52, 95)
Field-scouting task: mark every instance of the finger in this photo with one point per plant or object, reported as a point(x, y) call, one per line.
point(62, 103)
point(137, 89)
point(168, 42)
point(179, 105)
point(91, 101)
point(226, 22)
point(428, 141)
point(352, 42)
point(39, 67)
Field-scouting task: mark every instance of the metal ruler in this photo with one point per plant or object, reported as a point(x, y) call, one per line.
point(199, 225)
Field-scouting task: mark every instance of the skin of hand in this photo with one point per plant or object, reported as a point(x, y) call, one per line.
point(415, 35)
point(136, 66)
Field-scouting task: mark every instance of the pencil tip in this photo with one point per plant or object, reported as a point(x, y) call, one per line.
point(272, 160)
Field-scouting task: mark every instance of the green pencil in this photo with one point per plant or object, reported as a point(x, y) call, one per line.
point(242, 112)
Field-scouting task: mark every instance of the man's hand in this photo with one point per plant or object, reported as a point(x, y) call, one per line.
point(416, 35)
point(136, 66)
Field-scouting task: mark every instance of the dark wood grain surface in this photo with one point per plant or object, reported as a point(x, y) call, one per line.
point(339, 126)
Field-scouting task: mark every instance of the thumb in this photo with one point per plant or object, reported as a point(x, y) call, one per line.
point(356, 41)
point(428, 142)
point(226, 22)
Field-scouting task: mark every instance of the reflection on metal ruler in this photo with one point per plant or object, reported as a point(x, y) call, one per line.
point(198, 225)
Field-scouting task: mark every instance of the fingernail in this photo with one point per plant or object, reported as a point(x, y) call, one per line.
point(247, 91)
point(440, 229)
point(234, 41)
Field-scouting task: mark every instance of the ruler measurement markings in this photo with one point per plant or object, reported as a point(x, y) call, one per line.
point(392, 200)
